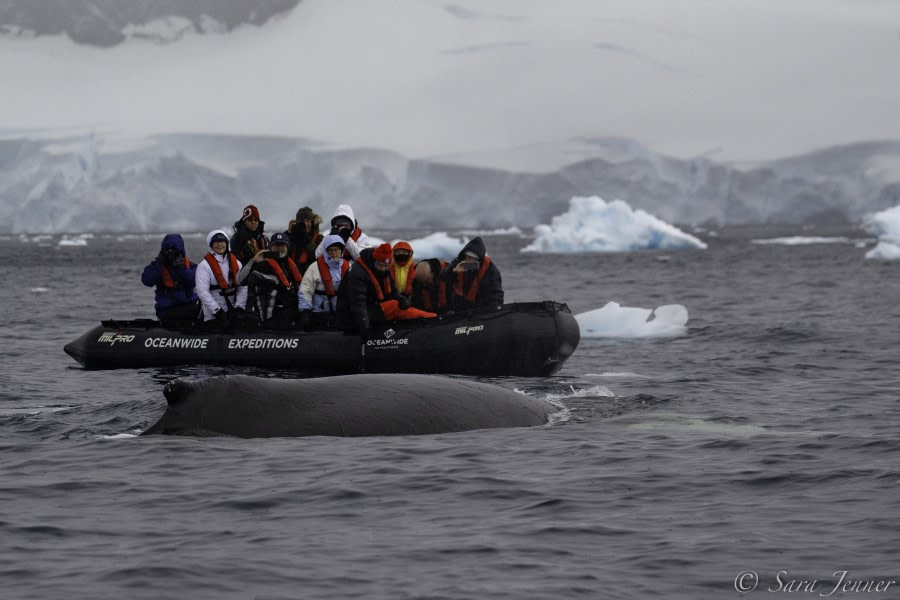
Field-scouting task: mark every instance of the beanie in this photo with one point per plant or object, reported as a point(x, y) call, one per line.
point(382, 253)
point(305, 213)
point(250, 211)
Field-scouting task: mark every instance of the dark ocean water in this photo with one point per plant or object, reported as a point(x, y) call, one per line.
point(764, 440)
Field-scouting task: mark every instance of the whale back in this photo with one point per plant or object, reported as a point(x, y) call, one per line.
point(350, 406)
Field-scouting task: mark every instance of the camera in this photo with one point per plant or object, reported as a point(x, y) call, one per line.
point(270, 254)
point(170, 255)
point(471, 266)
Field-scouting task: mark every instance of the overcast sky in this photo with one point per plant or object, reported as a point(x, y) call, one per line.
point(749, 79)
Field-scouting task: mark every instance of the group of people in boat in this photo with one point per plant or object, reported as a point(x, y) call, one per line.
point(306, 277)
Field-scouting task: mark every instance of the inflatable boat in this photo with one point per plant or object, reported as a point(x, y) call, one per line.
point(524, 339)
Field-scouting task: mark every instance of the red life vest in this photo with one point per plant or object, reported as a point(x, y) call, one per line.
point(469, 296)
point(301, 255)
point(167, 277)
point(210, 258)
point(325, 273)
point(427, 302)
point(279, 272)
point(379, 293)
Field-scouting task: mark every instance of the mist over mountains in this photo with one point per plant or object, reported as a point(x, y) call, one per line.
point(199, 182)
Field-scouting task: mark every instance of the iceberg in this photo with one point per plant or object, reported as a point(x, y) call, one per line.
point(886, 225)
point(615, 321)
point(594, 225)
point(436, 245)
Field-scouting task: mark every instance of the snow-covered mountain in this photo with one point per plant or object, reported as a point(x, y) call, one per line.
point(199, 182)
point(111, 22)
point(479, 113)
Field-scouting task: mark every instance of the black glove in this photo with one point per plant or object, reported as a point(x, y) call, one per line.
point(239, 310)
point(345, 234)
point(220, 315)
point(403, 301)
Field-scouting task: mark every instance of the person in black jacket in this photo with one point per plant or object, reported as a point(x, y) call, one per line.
point(472, 279)
point(365, 292)
point(173, 275)
point(304, 236)
point(249, 235)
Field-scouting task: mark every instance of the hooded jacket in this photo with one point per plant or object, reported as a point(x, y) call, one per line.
point(404, 274)
point(174, 281)
point(313, 295)
point(208, 290)
point(357, 241)
point(473, 289)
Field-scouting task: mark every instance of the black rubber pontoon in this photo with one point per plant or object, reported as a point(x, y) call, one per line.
point(526, 339)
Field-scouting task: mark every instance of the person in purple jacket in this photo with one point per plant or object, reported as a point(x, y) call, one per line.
point(173, 275)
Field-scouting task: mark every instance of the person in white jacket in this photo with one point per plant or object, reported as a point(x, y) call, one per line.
point(216, 283)
point(344, 224)
point(318, 290)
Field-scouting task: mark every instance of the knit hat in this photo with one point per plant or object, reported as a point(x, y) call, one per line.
point(382, 253)
point(250, 211)
point(305, 213)
point(218, 237)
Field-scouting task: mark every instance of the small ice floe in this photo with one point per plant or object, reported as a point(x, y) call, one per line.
point(800, 240)
point(39, 290)
point(614, 321)
point(594, 225)
point(73, 241)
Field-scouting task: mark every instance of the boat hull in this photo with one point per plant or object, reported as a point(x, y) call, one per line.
point(523, 339)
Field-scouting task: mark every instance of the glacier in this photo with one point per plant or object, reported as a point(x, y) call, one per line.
point(105, 182)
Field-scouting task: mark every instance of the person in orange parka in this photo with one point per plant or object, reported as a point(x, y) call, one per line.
point(403, 272)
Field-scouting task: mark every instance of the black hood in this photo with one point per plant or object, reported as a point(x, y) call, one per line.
point(476, 246)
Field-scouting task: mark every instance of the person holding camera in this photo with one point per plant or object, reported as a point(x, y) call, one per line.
point(344, 224)
point(174, 276)
point(273, 280)
point(472, 279)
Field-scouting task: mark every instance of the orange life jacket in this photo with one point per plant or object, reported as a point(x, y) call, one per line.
point(301, 255)
point(389, 306)
point(210, 258)
point(325, 272)
point(279, 272)
point(427, 302)
point(469, 296)
point(167, 277)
